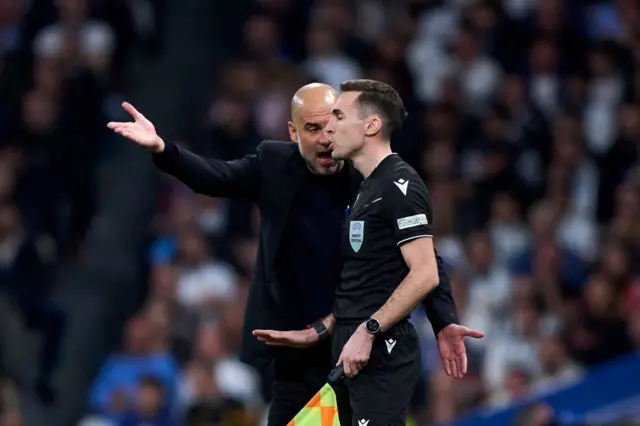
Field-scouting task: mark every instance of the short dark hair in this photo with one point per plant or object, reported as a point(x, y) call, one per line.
point(380, 98)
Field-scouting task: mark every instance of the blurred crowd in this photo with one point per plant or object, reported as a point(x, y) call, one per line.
point(523, 120)
point(60, 62)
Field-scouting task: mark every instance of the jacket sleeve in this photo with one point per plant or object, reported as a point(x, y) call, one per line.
point(216, 178)
point(439, 304)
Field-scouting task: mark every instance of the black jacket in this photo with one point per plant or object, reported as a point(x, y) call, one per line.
point(270, 178)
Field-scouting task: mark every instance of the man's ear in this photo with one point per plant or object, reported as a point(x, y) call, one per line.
point(293, 132)
point(373, 126)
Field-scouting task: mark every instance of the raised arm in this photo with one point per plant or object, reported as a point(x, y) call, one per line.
point(216, 178)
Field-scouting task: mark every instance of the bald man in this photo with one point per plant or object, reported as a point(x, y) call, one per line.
point(302, 193)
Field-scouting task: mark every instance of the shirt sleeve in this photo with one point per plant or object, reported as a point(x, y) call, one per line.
point(409, 210)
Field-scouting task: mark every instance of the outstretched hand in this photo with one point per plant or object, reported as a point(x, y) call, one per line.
point(141, 130)
point(452, 349)
point(292, 338)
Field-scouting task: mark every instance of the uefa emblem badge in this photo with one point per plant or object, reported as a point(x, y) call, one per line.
point(356, 234)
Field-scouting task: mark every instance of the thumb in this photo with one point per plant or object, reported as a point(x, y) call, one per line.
point(133, 112)
point(473, 333)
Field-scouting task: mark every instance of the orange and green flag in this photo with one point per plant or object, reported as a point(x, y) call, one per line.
point(321, 410)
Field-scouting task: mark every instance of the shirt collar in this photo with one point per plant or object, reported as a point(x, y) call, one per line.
point(386, 162)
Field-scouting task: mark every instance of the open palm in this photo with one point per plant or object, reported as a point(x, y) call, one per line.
point(141, 130)
point(452, 349)
point(292, 338)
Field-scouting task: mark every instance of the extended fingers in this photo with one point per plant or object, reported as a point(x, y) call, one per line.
point(113, 125)
point(447, 367)
point(463, 365)
point(272, 337)
point(271, 342)
point(453, 367)
point(456, 367)
point(473, 333)
point(265, 333)
point(131, 110)
point(121, 128)
point(268, 334)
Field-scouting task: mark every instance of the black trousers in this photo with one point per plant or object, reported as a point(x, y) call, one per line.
point(380, 394)
point(299, 374)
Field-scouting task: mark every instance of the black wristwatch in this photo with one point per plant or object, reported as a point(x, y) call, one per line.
point(319, 327)
point(373, 326)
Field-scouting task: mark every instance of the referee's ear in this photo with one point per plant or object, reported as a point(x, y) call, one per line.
point(373, 126)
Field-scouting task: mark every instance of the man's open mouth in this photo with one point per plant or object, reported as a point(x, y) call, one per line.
point(326, 155)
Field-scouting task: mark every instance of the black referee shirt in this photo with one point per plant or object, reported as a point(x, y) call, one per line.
point(392, 208)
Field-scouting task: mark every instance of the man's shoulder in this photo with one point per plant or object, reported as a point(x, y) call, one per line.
point(399, 176)
point(403, 169)
point(399, 184)
point(270, 147)
point(274, 155)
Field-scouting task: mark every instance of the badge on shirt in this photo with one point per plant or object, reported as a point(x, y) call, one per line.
point(356, 234)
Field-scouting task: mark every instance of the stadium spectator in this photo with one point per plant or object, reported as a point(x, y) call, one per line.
point(60, 61)
point(145, 357)
point(524, 122)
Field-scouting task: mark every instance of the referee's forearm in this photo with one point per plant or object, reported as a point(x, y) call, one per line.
point(411, 291)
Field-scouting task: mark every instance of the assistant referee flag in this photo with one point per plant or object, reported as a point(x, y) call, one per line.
point(322, 409)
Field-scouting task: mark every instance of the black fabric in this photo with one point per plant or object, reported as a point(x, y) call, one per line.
point(271, 178)
point(308, 263)
point(381, 392)
point(299, 374)
point(392, 208)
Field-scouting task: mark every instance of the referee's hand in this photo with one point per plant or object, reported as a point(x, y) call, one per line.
point(293, 338)
point(356, 352)
point(452, 349)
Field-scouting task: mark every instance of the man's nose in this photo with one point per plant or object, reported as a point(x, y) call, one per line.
point(329, 127)
point(324, 139)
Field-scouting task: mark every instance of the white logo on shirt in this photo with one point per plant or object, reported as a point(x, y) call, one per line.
point(402, 185)
point(356, 234)
point(374, 201)
point(411, 221)
point(390, 344)
point(363, 422)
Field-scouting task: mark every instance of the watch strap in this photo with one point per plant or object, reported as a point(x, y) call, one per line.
point(319, 327)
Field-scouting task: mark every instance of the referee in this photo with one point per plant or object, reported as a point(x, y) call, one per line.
point(389, 259)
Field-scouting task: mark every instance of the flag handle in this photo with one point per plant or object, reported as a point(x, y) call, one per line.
point(336, 375)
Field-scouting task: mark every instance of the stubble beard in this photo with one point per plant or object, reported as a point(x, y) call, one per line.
point(314, 168)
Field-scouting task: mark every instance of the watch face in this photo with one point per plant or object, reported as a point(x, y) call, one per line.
point(373, 326)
